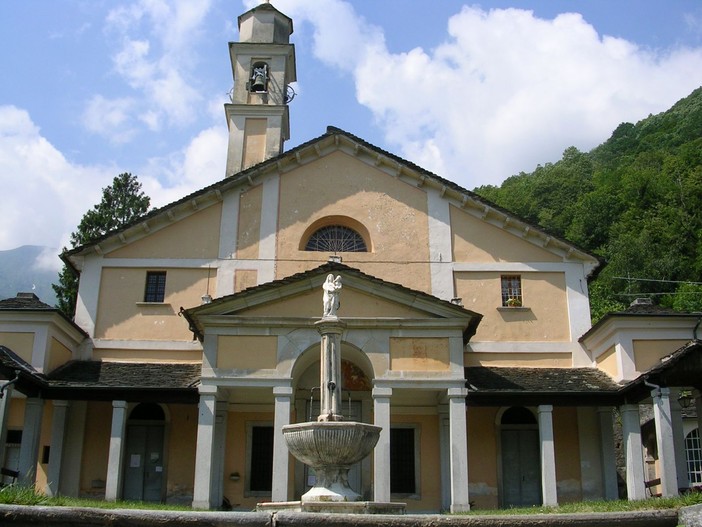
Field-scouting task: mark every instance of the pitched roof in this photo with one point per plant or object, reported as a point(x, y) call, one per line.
point(335, 137)
point(529, 386)
point(30, 303)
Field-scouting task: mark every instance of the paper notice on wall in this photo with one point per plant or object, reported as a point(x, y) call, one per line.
point(135, 461)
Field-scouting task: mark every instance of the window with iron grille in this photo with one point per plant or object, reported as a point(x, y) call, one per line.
point(693, 454)
point(403, 459)
point(512, 291)
point(336, 239)
point(155, 290)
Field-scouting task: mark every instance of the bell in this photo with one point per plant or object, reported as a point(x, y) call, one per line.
point(258, 80)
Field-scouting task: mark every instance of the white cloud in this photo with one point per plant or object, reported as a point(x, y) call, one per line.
point(153, 56)
point(110, 118)
point(504, 91)
point(44, 195)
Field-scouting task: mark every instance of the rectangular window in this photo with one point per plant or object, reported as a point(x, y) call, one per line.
point(403, 461)
point(260, 469)
point(155, 290)
point(511, 291)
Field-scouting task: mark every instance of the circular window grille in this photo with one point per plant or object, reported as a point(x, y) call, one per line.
point(336, 239)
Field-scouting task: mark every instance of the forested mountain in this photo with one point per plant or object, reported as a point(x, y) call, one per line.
point(635, 201)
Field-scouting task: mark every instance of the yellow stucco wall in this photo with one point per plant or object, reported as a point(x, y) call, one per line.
point(526, 360)
point(244, 278)
point(254, 141)
point(247, 352)
point(477, 241)
point(196, 236)
point(58, 355)
point(393, 212)
point(482, 457)
point(429, 461)
point(137, 355)
point(123, 315)
point(567, 448)
point(249, 223)
point(235, 457)
point(647, 353)
point(419, 354)
point(354, 303)
point(15, 419)
point(544, 316)
point(96, 444)
point(20, 343)
point(607, 362)
point(182, 439)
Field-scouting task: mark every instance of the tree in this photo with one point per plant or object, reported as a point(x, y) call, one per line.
point(122, 202)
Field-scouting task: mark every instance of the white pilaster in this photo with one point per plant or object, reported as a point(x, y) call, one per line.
point(459, 449)
point(73, 448)
point(113, 483)
point(664, 438)
point(29, 449)
point(268, 228)
point(381, 454)
point(4, 412)
point(202, 491)
point(281, 457)
point(678, 439)
point(631, 431)
point(88, 289)
point(59, 420)
point(609, 460)
point(440, 246)
point(548, 455)
point(698, 407)
point(445, 456)
point(219, 448)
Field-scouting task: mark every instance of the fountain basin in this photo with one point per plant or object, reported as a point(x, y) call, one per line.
point(331, 447)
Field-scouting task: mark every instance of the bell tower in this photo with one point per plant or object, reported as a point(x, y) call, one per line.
point(263, 66)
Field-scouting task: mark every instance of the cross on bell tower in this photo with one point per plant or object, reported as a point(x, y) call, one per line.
point(263, 66)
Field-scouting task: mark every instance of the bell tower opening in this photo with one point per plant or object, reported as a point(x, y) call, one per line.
point(263, 66)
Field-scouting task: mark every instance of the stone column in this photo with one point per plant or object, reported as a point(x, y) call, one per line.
point(458, 440)
point(609, 457)
point(204, 454)
point(59, 420)
point(445, 456)
point(631, 431)
point(29, 449)
point(281, 457)
point(548, 455)
point(4, 412)
point(664, 439)
point(113, 483)
point(678, 439)
point(218, 450)
point(330, 328)
point(381, 454)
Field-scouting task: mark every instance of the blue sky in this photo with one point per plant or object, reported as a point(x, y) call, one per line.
point(475, 92)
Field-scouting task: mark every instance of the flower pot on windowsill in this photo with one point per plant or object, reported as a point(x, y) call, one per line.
point(513, 302)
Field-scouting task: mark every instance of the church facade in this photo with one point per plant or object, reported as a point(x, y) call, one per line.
point(467, 337)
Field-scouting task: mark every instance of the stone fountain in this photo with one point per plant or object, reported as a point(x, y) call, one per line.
point(332, 445)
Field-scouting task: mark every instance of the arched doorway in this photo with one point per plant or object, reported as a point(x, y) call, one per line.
point(521, 466)
point(356, 405)
point(143, 459)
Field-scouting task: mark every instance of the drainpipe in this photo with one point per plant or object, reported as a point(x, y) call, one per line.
point(694, 331)
point(651, 385)
point(9, 383)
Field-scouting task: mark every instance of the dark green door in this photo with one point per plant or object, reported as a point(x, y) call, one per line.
point(143, 475)
point(521, 468)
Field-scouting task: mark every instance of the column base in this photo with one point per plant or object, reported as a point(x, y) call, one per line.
point(339, 507)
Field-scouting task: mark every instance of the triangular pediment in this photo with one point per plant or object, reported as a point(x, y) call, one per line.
point(334, 141)
point(362, 297)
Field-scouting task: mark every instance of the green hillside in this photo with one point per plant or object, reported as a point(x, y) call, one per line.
point(635, 201)
point(18, 273)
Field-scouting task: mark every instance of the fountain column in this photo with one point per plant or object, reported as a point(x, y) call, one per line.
point(330, 329)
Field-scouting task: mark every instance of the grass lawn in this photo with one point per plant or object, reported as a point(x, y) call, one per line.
point(18, 495)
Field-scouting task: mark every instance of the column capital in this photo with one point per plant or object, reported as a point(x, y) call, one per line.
point(381, 391)
point(457, 392)
point(543, 408)
point(58, 403)
point(119, 404)
point(283, 391)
